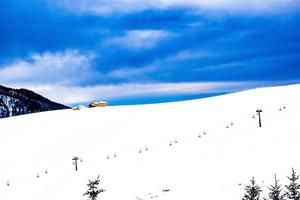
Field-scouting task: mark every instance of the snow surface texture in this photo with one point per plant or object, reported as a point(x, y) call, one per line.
point(181, 162)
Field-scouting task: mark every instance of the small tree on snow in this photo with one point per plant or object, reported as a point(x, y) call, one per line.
point(293, 188)
point(93, 190)
point(252, 191)
point(275, 191)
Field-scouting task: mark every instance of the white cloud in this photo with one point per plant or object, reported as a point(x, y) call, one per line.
point(70, 67)
point(105, 7)
point(60, 76)
point(64, 68)
point(139, 39)
point(77, 95)
point(189, 55)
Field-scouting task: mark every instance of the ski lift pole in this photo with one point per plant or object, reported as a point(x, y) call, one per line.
point(75, 159)
point(258, 111)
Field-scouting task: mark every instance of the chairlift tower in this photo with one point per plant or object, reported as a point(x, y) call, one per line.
point(258, 111)
point(75, 159)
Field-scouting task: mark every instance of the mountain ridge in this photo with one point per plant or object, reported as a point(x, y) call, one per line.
point(14, 102)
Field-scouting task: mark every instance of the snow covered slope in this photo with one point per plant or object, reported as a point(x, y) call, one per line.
point(213, 166)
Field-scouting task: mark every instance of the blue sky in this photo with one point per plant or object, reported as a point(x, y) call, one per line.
point(141, 51)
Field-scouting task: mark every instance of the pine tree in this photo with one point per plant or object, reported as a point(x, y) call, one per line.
point(275, 191)
point(93, 190)
point(293, 188)
point(252, 191)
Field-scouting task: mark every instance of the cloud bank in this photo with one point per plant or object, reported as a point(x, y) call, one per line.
point(74, 51)
point(67, 68)
point(127, 6)
point(77, 95)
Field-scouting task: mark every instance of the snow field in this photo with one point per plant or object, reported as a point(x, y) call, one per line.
point(215, 166)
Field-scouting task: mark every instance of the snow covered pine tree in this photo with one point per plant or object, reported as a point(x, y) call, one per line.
point(275, 191)
point(93, 190)
point(293, 188)
point(252, 191)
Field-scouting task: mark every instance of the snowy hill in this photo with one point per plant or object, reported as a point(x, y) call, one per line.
point(15, 102)
point(214, 166)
